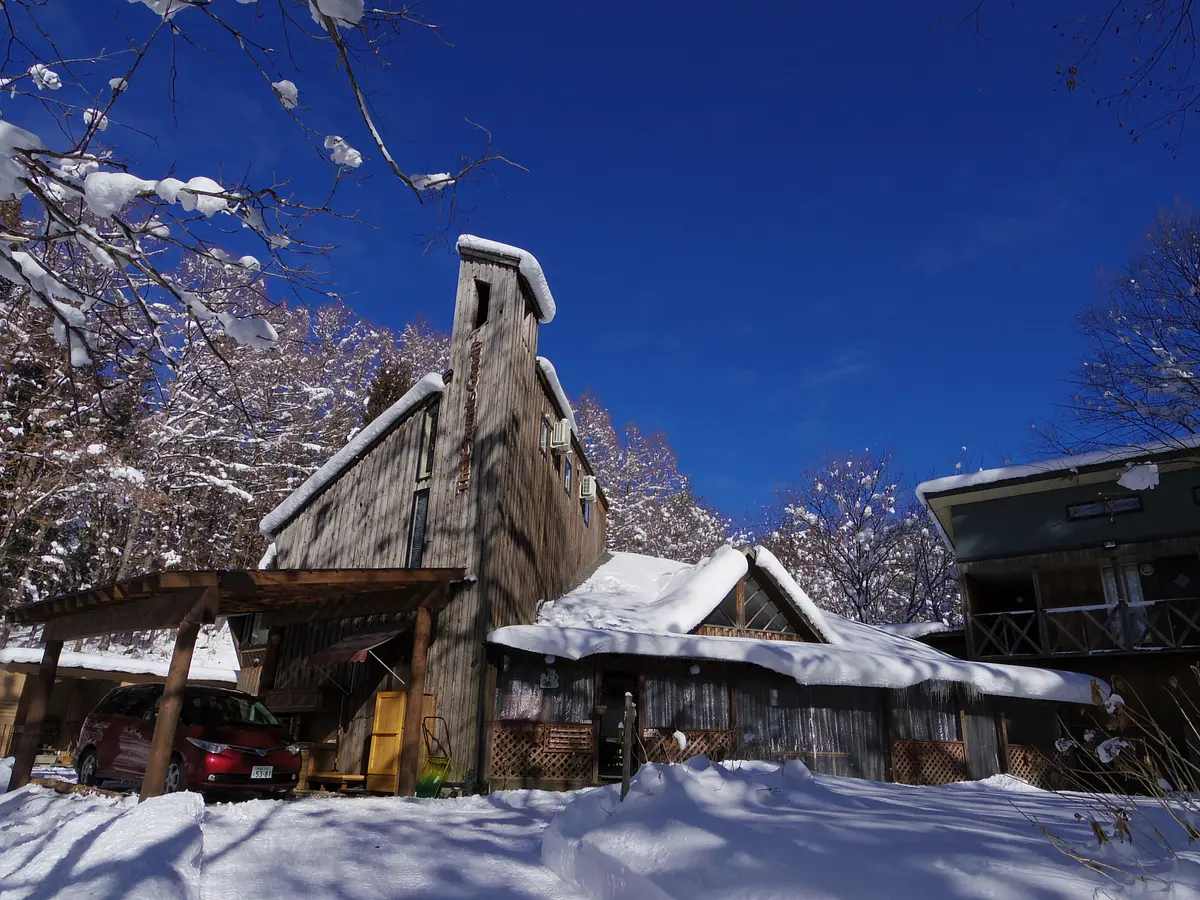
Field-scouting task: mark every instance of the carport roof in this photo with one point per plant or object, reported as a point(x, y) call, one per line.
point(165, 599)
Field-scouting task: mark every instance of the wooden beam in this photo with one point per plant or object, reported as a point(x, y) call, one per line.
point(251, 579)
point(167, 720)
point(270, 663)
point(373, 604)
point(410, 748)
point(29, 729)
point(162, 611)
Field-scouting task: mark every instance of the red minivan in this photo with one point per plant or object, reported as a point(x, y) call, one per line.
point(225, 740)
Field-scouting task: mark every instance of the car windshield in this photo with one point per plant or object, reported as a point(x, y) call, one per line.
point(225, 709)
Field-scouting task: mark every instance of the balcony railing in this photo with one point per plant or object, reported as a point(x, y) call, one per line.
point(1146, 625)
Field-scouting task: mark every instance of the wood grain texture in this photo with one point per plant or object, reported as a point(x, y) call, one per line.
point(362, 519)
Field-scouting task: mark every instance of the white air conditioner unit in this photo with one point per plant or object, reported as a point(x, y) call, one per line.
point(587, 488)
point(560, 438)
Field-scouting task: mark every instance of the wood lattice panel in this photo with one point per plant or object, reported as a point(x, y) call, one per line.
point(661, 746)
point(542, 752)
point(929, 762)
point(1032, 765)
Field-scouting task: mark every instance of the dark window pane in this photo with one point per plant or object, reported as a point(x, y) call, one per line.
point(687, 701)
point(532, 691)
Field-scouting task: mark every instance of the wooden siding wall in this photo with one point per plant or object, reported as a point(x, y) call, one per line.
point(496, 506)
point(362, 519)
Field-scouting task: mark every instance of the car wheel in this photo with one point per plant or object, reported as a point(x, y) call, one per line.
point(87, 769)
point(174, 780)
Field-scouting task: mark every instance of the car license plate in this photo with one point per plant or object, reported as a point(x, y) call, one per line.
point(262, 772)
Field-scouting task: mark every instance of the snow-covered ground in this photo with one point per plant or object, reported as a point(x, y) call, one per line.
point(756, 831)
point(741, 831)
point(175, 848)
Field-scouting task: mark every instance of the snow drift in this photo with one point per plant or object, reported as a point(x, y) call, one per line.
point(87, 846)
point(760, 831)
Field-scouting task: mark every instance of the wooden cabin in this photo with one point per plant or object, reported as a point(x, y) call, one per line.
point(1089, 563)
point(480, 469)
point(730, 659)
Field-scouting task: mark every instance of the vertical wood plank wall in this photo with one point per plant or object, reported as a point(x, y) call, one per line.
point(514, 526)
point(362, 519)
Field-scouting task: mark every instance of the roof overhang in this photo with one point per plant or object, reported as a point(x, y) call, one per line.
point(165, 599)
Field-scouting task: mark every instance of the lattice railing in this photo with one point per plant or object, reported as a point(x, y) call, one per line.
point(929, 762)
point(1035, 766)
point(1006, 634)
point(527, 751)
point(662, 747)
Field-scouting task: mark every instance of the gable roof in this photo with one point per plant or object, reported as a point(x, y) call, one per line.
point(274, 521)
point(644, 606)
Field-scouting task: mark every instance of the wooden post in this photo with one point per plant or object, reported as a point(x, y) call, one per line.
point(1043, 625)
point(627, 744)
point(28, 728)
point(167, 719)
point(270, 663)
point(410, 747)
point(968, 617)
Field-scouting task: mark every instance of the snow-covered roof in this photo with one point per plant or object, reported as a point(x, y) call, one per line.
point(527, 264)
point(632, 592)
point(214, 658)
point(274, 521)
point(1050, 466)
point(560, 396)
point(915, 630)
point(808, 663)
point(644, 606)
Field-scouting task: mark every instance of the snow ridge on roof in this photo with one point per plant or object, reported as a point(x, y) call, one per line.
point(846, 664)
point(1063, 464)
point(527, 264)
point(773, 568)
point(274, 521)
point(641, 593)
point(644, 606)
point(560, 396)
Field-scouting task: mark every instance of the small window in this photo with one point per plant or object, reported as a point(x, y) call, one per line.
point(428, 439)
point(1095, 509)
point(416, 534)
point(587, 513)
point(567, 474)
point(544, 437)
point(483, 299)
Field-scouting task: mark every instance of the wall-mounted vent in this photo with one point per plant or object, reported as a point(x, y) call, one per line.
point(560, 440)
point(587, 488)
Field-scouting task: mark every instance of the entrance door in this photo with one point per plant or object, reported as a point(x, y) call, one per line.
point(612, 698)
point(387, 734)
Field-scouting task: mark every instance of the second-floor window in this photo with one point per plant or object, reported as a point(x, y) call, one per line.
point(544, 437)
point(567, 474)
point(1095, 509)
point(587, 513)
point(428, 438)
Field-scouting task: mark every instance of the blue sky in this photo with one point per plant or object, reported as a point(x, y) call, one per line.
point(772, 230)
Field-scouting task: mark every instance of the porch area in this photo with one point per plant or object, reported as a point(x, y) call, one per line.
point(1089, 607)
point(186, 600)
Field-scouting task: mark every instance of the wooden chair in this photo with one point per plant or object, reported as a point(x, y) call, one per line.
point(313, 773)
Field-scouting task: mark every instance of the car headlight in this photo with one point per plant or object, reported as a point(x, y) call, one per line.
point(294, 749)
point(208, 746)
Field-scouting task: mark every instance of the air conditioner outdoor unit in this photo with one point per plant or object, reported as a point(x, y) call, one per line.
point(587, 488)
point(560, 438)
